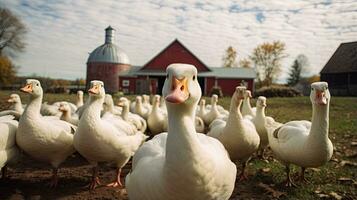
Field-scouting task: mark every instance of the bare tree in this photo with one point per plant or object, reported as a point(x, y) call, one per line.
point(12, 32)
point(245, 63)
point(267, 60)
point(229, 59)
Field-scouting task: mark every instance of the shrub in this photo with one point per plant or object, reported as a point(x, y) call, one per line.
point(277, 91)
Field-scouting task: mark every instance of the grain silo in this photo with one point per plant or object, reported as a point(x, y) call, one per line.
point(106, 62)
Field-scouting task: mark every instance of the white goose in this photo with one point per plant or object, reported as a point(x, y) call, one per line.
point(67, 115)
point(246, 107)
point(79, 100)
point(46, 139)
point(15, 100)
point(305, 143)
point(9, 152)
point(136, 120)
point(157, 119)
point(100, 141)
point(214, 112)
point(237, 134)
point(146, 102)
point(140, 109)
point(261, 123)
point(201, 109)
point(181, 164)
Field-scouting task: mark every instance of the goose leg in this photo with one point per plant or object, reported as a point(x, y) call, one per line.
point(54, 178)
point(302, 175)
point(261, 154)
point(289, 181)
point(3, 172)
point(117, 182)
point(95, 179)
point(243, 176)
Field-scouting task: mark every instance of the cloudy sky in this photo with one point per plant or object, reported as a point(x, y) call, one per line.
point(62, 33)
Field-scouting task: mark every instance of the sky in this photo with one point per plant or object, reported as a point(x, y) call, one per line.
point(61, 34)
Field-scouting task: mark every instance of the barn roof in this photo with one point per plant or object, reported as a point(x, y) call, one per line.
point(218, 72)
point(175, 52)
point(343, 60)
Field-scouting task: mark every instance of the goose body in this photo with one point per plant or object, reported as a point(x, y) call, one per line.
point(303, 143)
point(214, 112)
point(46, 139)
point(141, 110)
point(9, 152)
point(99, 140)
point(237, 134)
point(169, 166)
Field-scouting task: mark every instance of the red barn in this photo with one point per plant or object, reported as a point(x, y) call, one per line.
point(150, 78)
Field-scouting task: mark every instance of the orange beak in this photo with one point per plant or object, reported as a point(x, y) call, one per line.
point(179, 91)
point(94, 89)
point(27, 88)
point(9, 100)
point(320, 98)
point(121, 104)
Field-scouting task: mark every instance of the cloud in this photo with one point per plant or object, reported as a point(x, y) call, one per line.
point(62, 33)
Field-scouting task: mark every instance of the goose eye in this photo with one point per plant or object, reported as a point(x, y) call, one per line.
point(312, 89)
point(37, 84)
point(194, 78)
point(167, 76)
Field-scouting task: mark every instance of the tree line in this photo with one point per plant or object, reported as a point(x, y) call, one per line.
point(266, 58)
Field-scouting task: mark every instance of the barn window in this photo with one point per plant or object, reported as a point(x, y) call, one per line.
point(126, 83)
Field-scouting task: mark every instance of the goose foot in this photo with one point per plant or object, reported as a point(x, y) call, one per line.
point(54, 179)
point(94, 183)
point(95, 179)
point(117, 182)
point(289, 182)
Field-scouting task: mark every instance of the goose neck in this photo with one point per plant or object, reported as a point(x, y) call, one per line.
point(125, 112)
point(182, 141)
point(247, 102)
point(34, 107)
point(320, 121)
point(94, 107)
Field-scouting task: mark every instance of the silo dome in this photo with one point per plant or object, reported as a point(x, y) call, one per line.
point(109, 52)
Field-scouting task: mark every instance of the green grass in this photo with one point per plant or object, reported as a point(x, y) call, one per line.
point(343, 130)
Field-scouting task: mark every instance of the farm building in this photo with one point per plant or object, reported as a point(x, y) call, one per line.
point(111, 65)
point(341, 70)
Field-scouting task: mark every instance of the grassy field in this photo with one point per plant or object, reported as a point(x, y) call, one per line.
point(336, 180)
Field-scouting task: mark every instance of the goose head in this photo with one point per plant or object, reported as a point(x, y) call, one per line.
point(80, 94)
point(64, 107)
point(156, 100)
point(247, 94)
point(202, 102)
point(96, 90)
point(238, 94)
point(181, 86)
point(123, 102)
point(138, 100)
point(261, 102)
point(214, 99)
point(146, 99)
point(320, 94)
point(108, 103)
point(14, 98)
point(32, 87)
